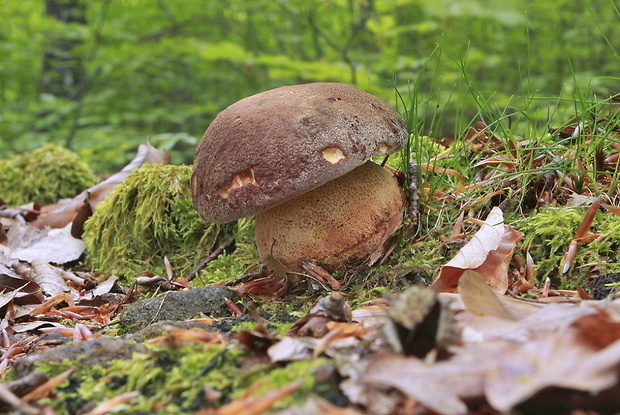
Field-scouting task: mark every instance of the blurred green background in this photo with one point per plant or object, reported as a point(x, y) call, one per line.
point(101, 76)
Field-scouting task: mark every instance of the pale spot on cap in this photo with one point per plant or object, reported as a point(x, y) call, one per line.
point(333, 154)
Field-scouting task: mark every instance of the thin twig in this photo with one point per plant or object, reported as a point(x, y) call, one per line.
point(210, 258)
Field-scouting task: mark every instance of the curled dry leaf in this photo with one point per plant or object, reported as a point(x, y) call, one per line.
point(109, 405)
point(47, 305)
point(331, 307)
point(253, 406)
point(49, 278)
point(488, 252)
point(178, 336)
point(513, 351)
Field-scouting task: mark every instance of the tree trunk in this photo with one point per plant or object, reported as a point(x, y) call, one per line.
point(62, 69)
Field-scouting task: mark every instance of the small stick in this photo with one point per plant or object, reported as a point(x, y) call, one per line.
point(210, 258)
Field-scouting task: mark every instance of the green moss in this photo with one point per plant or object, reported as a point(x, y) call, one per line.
point(149, 216)
point(172, 380)
point(279, 376)
point(549, 232)
point(228, 267)
point(44, 176)
point(167, 379)
point(409, 263)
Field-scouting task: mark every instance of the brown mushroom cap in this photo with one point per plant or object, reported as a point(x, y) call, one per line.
point(271, 147)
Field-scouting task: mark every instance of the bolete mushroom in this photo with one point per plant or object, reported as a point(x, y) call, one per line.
point(297, 158)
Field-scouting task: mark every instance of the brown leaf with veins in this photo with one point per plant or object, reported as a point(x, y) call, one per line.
point(549, 359)
point(515, 353)
point(507, 373)
point(488, 252)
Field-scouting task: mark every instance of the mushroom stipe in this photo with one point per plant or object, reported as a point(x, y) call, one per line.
point(345, 221)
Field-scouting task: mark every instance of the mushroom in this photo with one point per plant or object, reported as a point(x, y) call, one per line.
point(297, 157)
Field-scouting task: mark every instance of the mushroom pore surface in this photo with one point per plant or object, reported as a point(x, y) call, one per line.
point(344, 222)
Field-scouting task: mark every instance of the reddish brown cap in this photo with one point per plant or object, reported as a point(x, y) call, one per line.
point(273, 146)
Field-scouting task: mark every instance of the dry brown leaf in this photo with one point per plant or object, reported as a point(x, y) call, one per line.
point(109, 405)
point(549, 359)
point(17, 290)
point(49, 278)
point(177, 336)
point(292, 348)
point(480, 300)
point(35, 325)
point(507, 373)
point(301, 348)
point(371, 317)
point(253, 406)
point(439, 387)
point(338, 330)
point(51, 303)
point(28, 243)
point(44, 389)
point(488, 252)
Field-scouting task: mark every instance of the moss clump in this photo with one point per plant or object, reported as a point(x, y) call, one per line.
point(172, 380)
point(44, 176)
point(148, 217)
point(549, 232)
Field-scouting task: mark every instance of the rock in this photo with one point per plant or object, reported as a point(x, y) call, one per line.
point(178, 306)
point(94, 352)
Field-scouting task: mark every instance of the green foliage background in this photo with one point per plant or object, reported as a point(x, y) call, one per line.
point(165, 68)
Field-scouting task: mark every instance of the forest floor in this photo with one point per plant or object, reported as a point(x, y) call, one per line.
point(500, 296)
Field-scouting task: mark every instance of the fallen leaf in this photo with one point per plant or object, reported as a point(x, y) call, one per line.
point(292, 348)
point(301, 348)
point(36, 325)
point(479, 298)
point(488, 252)
point(44, 389)
point(331, 307)
point(549, 359)
point(177, 336)
point(49, 278)
point(110, 405)
point(50, 245)
point(439, 387)
point(50, 303)
point(253, 406)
